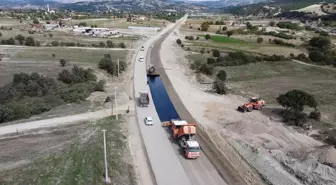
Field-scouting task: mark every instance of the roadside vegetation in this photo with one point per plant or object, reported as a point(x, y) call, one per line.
point(75, 156)
point(32, 94)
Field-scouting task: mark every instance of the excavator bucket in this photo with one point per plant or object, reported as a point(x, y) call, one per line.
point(241, 109)
point(166, 124)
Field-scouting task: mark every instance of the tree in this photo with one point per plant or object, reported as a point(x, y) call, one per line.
point(55, 43)
point(207, 37)
point(20, 38)
point(101, 44)
point(206, 69)
point(63, 62)
point(260, 39)
point(178, 41)
point(0, 34)
point(35, 21)
point(82, 24)
point(122, 45)
point(109, 44)
point(219, 86)
point(221, 75)
point(229, 33)
point(204, 26)
point(224, 28)
point(202, 51)
point(53, 55)
point(215, 53)
point(272, 23)
point(320, 42)
point(30, 41)
point(296, 100)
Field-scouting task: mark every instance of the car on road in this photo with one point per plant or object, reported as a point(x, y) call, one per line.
point(141, 59)
point(142, 48)
point(148, 120)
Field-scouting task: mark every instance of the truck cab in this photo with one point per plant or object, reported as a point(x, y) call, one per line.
point(192, 150)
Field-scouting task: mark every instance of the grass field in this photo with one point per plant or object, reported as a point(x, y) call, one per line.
point(269, 79)
point(70, 54)
point(81, 162)
point(224, 39)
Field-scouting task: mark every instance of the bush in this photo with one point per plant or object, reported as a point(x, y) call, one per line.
point(288, 25)
point(53, 55)
point(211, 61)
point(207, 37)
point(110, 44)
point(63, 62)
point(206, 69)
point(196, 65)
point(281, 42)
point(294, 118)
point(320, 42)
point(219, 87)
point(82, 24)
point(20, 38)
point(189, 37)
point(224, 28)
point(77, 75)
point(221, 75)
point(178, 41)
point(55, 43)
point(0, 34)
point(229, 33)
point(215, 53)
point(101, 44)
point(260, 39)
point(315, 115)
point(30, 41)
point(110, 66)
point(122, 45)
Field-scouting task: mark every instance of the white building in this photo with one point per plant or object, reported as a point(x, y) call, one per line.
point(95, 31)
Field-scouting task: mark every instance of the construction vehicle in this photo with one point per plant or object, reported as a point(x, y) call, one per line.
point(254, 103)
point(151, 70)
point(184, 134)
point(143, 99)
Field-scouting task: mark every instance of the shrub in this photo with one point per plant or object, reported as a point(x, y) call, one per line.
point(272, 23)
point(122, 45)
point(294, 118)
point(221, 75)
point(0, 34)
point(37, 43)
point(110, 44)
point(189, 37)
point(83, 24)
point(63, 62)
point(178, 41)
point(316, 115)
point(206, 69)
point(196, 65)
point(229, 33)
point(260, 39)
point(211, 61)
point(215, 53)
point(55, 43)
point(207, 37)
point(53, 55)
point(20, 38)
point(77, 75)
point(320, 42)
point(101, 44)
point(30, 41)
point(224, 28)
point(219, 87)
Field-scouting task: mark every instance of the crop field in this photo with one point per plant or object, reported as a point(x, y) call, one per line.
point(269, 79)
point(67, 155)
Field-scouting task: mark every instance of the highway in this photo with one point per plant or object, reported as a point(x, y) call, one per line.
point(168, 165)
point(165, 164)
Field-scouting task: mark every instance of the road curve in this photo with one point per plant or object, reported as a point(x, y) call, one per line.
point(165, 164)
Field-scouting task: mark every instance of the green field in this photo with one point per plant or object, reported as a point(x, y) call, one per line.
point(224, 39)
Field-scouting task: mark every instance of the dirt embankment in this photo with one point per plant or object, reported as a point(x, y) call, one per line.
point(268, 145)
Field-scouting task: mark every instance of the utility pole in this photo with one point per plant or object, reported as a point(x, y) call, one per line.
point(107, 179)
point(116, 106)
point(118, 67)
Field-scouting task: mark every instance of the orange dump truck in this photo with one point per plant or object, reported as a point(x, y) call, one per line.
point(184, 133)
